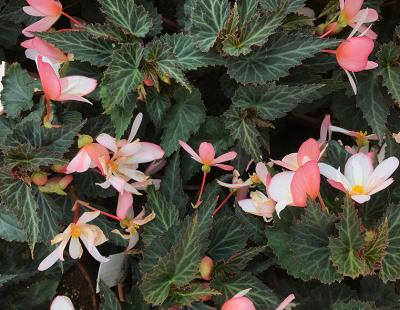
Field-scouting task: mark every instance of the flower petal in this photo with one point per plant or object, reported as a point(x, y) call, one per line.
point(129, 149)
point(80, 163)
point(335, 175)
point(135, 127)
point(188, 149)
point(371, 16)
point(206, 153)
point(352, 54)
point(47, 7)
point(93, 250)
point(263, 173)
point(382, 186)
point(40, 26)
point(49, 79)
point(88, 216)
point(309, 150)
point(382, 172)
point(45, 49)
point(358, 169)
point(225, 157)
point(125, 201)
point(147, 153)
point(32, 11)
point(61, 303)
point(289, 162)
point(351, 8)
point(117, 182)
point(324, 133)
point(107, 141)
point(286, 302)
point(360, 198)
point(224, 167)
point(75, 248)
point(305, 183)
point(49, 261)
point(279, 188)
point(76, 86)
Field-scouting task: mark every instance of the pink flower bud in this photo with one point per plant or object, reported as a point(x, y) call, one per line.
point(39, 178)
point(206, 268)
point(65, 181)
point(148, 82)
point(238, 303)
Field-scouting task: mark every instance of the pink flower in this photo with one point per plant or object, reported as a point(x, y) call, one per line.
point(51, 10)
point(63, 89)
point(360, 179)
point(61, 303)
point(239, 302)
point(293, 188)
point(286, 302)
point(36, 47)
point(90, 235)
point(258, 204)
point(90, 155)
point(206, 156)
point(351, 14)
point(309, 150)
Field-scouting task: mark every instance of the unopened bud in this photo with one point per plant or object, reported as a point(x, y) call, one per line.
point(59, 168)
point(39, 178)
point(84, 140)
point(206, 168)
point(206, 268)
point(165, 78)
point(148, 82)
point(57, 185)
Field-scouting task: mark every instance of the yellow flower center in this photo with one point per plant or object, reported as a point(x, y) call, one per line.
point(133, 228)
point(255, 179)
point(75, 231)
point(358, 190)
point(361, 139)
point(113, 166)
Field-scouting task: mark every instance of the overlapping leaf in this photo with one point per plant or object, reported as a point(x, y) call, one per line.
point(388, 55)
point(157, 106)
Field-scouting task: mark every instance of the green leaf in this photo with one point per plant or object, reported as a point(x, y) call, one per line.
point(123, 75)
point(108, 300)
point(161, 56)
point(375, 249)
point(171, 185)
point(255, 32)
point(156, 18)
point(85, 185)
point(157, 106)
point(243, 130)
point(336, 154)
point(226, 238)
point(126, 14)
point(353, 305)
point(273, 101)
point(188, 295)
point(106, 31)
point(272, 61)
point(262, 296)
point(82, 45)
point(345, 250)
point(189, 56)
point(19, 200)
point(252, 225)
point(372, 103)
point(239, 261)
point(325, 296)
point(246, 10)
point(29, 158)
point(208, 19)
point(10, 228)
point(18, 91)
point(273, 5)
point(387, 56)
point(183, 119)
point(6, 127)
point(121, 115)
point(390, 270)
point(9, 33)
point(178, 267)
point(310, 244)
point(167, 215)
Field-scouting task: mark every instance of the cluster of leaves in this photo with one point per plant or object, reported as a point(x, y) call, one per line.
point(227, 72)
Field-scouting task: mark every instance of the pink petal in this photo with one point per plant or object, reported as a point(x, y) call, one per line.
point(107, 141)
point(337, 185)
point(147, 153)
point(289, 162)
point(80, 163)
point(371, 16)
point(88, 217)
point(352, 54)
point(97, 154)
point(188, 149)
point(382, 186)
point(305, 183)
point(371, 65)
point(225, 157)
point(45, 49)
point(47, 7)
point(207, 153)
point(49, 79)
point(135, 126)
point(286, 302)
point(341, 4)
point(61, 303)
point(125, 201)
point(324, 131)
point(224, 167)
point(351, 8)
point(117, 182)
point(368, 32)
point(238, 303)
point(69, 97)
point(309, 150)
point(263, 174)
point(40, 26)
point(32, 12)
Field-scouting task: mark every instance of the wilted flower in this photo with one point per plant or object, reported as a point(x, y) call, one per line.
point(360, 179)
point(90, 235)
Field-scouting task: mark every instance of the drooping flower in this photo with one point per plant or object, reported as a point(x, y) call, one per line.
point(360, 180)
point(61, 303)
point(50, 10)
point(90, 235)
point(37, 47)
point(293, 188)
point(63, 89)
point(89, 156)
point(239, 302)
point(206, 156)
point(258, 204)
point(309, 150)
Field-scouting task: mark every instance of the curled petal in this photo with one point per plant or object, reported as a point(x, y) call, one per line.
point(305, 183)
point(49, 79)
point(352, 54)
point(125, 201)
point(80, 163)
point(45, 49)
point(309, 150)
point(93, 250)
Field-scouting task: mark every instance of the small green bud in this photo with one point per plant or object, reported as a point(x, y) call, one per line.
point(84, 140)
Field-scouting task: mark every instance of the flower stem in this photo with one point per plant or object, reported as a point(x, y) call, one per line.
point(87, 205)
point(222, 204)
point(72, 19)
point(201, 189)
point(323, 206)
point(48, 110)
point(76, 214)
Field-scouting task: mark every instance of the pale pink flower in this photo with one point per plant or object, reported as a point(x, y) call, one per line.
point(90, 235)
point(63, 89)
point(50, 10)
point(239, 302)
point(258, 204)
point(37, 47)
point(61, 303)
point(293, 188)
point(206, 156)
point(309, 150)
point(286, 302)
point(360, 179)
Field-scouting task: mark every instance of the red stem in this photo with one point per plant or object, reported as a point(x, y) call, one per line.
point(323, 206)
point(201, 188)
point(86, 205)
point(76, 214)
point(222, 204)
point(326, 33)
point(72, 19)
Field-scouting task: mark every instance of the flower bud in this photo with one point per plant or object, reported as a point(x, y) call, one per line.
point(65, 181)
point(206, 168)
point(206, 268)
point(148, 82)
point(165, 78)
point(59, 168)
point(39, 178)
point(84, 140)
point(238, 303)
point(57, 185)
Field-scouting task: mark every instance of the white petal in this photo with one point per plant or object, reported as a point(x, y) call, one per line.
point(358, 169)
point(75, 248)
point(77, 85)
point(279, 187)
point(382, 186)
point(361, 198)
point(382, 172)
point(334, 174)
point(107, 141)
point(88, 216)
point(49, 261)
point(135, 126)
point(61, 303)
point(93, 250)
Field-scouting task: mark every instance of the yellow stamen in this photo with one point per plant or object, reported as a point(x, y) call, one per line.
point(75, 231)
point(361, 139)
point(133, 228)
point(255, 179)
point(358, 190)
point(113, 166)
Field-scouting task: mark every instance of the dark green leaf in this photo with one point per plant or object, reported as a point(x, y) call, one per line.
point(108, 300)
point(121, 115)
point(10, 228)
point(353, 305)
point(388, 55)
point(157, 106)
